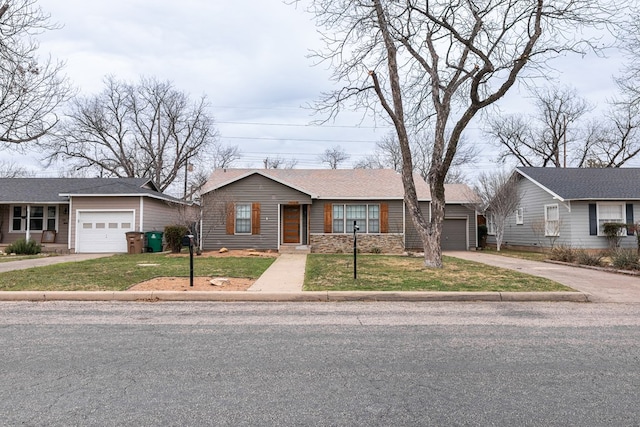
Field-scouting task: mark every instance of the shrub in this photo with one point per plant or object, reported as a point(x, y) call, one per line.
point(376, 250)
point(173, 235)
point(563, 253)
point(587, 258)
point(625, 259)
point(24, 247)
point(482, 235)
point(612, 230)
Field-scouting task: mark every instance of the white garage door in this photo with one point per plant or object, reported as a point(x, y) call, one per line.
point(103, 231)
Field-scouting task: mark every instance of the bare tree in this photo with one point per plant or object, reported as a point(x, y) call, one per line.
point(496, 194)
point(441, 62)
point(149, 129)
point(612, 141)
point(334, 156)
point(279, 162)
point(542, 141)
point(387, 154)
point(13, 170)
point(224, 156)
point(30, 89)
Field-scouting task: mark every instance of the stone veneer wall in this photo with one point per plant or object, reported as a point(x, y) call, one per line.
point(388, 243)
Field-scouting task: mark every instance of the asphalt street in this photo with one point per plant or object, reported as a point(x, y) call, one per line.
point(330, 364)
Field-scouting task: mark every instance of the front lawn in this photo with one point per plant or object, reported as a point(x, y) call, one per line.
point(400, 273)
point(119, 272)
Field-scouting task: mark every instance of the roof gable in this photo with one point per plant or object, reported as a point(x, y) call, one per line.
point(586, 183)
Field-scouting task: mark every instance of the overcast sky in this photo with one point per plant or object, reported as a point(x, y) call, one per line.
point(249, 58)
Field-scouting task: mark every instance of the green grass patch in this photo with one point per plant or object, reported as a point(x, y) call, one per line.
point(119, 272)
point(399, 273)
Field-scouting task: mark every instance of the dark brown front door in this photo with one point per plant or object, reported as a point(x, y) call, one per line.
point(291, 224)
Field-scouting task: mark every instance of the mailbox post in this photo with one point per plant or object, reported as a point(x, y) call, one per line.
point(188, 241)
point(355, 250)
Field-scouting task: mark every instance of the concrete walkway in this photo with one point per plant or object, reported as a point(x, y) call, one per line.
point(286, 274)
point(601, 286)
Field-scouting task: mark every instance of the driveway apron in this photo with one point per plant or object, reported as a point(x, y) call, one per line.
point(602, 286)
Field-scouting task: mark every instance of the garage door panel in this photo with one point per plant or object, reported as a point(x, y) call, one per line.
point(103, 231)
point(454, 235)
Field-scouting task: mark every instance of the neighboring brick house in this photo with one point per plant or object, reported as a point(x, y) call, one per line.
point(315, 209)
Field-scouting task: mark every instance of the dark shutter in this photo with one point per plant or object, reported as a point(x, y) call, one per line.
point(629, 219)
point(384, 218)
point(231, 218)
point(255, 218)
point(328, 217)
point(593, 220)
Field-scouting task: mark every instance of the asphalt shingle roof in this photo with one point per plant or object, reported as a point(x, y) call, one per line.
point(340, 183)
point(55, 190)
point(588, 183)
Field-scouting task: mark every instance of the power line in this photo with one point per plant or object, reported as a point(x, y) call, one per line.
point(266, 138)
point(305, 125)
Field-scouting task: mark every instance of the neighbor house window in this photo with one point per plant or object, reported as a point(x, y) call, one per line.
point(610, 212)
point(519, 216)
point(491, 224)
point(243, 218)
point(366, 217)
point(551, 220)
point(40, 218)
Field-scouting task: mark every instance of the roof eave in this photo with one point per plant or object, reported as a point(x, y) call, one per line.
point(548, 190)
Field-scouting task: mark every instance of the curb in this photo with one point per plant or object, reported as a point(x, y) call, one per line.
point(323, 296)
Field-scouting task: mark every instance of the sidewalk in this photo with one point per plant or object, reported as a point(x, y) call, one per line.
point(283, 281)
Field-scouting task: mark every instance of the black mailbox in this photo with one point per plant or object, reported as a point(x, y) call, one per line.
point(187, 240)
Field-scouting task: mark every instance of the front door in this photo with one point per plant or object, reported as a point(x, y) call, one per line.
point(291, 224)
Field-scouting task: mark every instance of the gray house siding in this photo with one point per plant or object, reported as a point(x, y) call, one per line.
point(157, 214)
point(580, 228)
point(252, 189)
point(462, 212)
point(574, 222)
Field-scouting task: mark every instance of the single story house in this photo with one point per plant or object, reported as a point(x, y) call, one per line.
point(314, 210)
point(82, 214)
point(568, 206)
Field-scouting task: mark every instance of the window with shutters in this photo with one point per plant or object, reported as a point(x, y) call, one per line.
point(366, 217)
point(243, 218)
point(610, 212)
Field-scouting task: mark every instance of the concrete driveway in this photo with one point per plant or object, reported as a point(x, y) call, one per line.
point(40, 262)
point(602, 286)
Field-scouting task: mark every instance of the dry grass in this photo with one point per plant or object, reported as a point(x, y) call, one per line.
point(398, 273)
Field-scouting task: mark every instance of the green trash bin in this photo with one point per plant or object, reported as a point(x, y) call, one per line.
point(154, 241)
